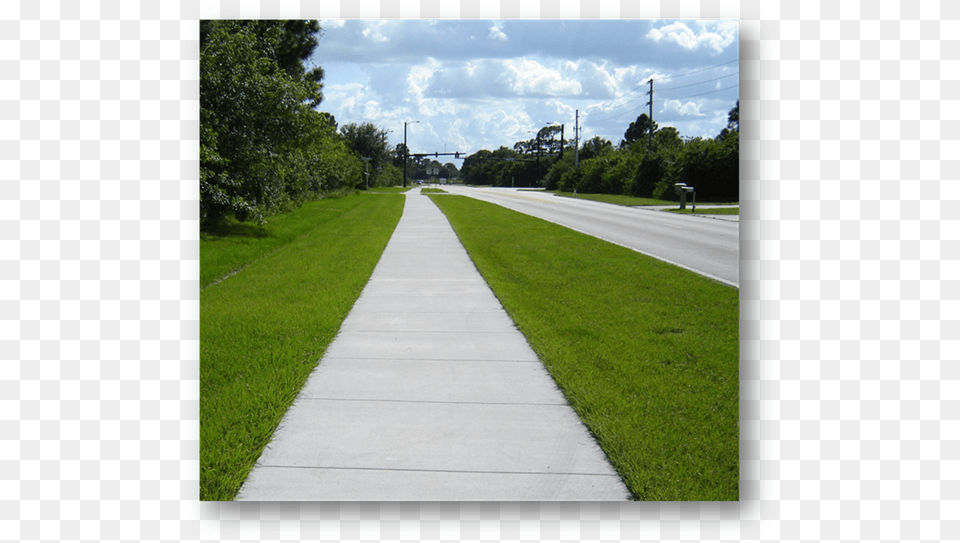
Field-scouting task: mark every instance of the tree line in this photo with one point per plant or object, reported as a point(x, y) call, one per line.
point(264, 146)
point(641, 165)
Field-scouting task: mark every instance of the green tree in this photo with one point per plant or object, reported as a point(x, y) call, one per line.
point(711, 166)
point(733, 122)
point(490, 167)
point(549, 140)
point(398, 154)
point(253, 114)
point(288, 43)
point(368, 140)
point(733, 118)
point(324, 164)
point(638, 129)
point(668, 139)
point(450, 171)
point(562, 175)
point(595, 146)
point(527, 147)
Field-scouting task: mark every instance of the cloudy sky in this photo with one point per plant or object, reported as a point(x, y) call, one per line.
point(476, 84)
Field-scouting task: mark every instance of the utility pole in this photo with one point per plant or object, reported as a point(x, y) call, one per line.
point(576, 141)
point(650, 103)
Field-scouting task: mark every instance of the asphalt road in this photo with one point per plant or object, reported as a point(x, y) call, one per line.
point(708, 246)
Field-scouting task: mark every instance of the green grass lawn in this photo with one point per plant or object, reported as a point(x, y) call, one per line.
point(264, 329)
point(707, 211)
point(389, 190)
point(229, 247)
point(617, 199)
point(432, 191)
point(647, 353)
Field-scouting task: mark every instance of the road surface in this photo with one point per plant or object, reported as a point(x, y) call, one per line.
point(708, 246)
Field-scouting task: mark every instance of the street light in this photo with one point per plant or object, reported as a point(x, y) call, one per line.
point(406, 151)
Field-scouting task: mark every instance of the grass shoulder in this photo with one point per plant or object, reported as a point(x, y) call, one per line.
point(706, 211)
point(389, 190)
point(264, 330)
point(647, 353)
point(230, 246)
point(617, 199)
point(432, 191)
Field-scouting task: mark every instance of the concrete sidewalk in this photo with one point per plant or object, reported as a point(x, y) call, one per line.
point(430, 392)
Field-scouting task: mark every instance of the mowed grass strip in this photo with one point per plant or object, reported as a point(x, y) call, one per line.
point(646, 353)
point(264, 330)
point(707, 211)
point(388, 190)
point(231, 246)
point(618, 199)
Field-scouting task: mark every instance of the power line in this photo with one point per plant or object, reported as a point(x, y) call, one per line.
point(700, 82)
point(705, 69)
point(624, 96)
point(669, 78)
point(645, 104)
point(704, 93)
point(618, 114)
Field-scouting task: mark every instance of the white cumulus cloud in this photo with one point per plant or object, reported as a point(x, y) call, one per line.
point(717, 37)
point(688, 109)
point(527, 76)
point(373, 32)
point(497, 34)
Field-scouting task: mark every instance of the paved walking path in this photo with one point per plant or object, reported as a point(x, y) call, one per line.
point(430, 392)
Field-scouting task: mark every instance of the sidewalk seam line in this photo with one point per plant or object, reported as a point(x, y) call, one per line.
point(560, 473)
point(309, 398)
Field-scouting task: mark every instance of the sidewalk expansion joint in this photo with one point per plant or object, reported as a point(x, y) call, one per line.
point(448, 402)
point(347, 468)
point(396, 359)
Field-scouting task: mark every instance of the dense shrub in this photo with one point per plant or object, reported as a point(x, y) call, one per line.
point(264, 148)
point(639, 169)
point(712, 167)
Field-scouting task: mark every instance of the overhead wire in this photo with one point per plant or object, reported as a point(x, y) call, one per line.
point(671, 77)
point(661, 89)
point(704, 93)
point(681, 98)
point(704, 69)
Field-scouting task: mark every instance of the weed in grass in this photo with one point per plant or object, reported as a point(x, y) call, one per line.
point(646, 353)
point(263, 331)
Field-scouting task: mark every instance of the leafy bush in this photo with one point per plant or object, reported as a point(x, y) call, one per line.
point(263, 148)
point(591, 172)
point(712, 167)
point(639, 169)
point(251, 113)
